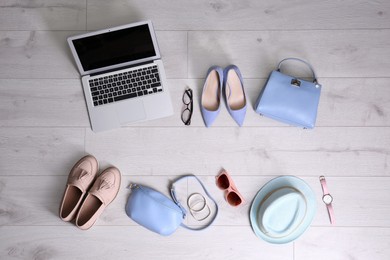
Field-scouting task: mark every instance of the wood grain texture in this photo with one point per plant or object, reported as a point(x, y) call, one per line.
point(43, 15)
point(44, 127)
point(46, 54)
point(39, 151)
point(25, 204)
point(363, 243)
point(60, 102)
point(341, 53)
point(124, 243)
point(42, 102)
point(247, 151)
point(241, 15)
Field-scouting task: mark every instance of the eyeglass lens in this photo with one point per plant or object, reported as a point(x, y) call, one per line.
point(186, 116)
point(187, 99)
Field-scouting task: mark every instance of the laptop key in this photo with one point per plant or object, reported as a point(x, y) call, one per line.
point(125, 97)
point(156, 84)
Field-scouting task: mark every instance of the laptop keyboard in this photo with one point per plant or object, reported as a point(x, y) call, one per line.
point(124, 85)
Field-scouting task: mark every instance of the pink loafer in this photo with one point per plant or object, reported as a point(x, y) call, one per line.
point(102, 193)
point(79, 181)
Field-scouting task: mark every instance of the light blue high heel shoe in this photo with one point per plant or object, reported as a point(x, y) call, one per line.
point(211, 95)
point(233, 87)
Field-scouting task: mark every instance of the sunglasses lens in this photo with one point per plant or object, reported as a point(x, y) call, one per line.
point(233, 199)
point(223, 182)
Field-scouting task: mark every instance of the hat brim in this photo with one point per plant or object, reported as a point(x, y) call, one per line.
point(279, 182)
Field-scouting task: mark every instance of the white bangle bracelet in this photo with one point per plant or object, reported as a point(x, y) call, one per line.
point(194, 200)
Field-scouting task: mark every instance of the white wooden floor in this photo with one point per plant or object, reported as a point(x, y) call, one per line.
point(44, 127)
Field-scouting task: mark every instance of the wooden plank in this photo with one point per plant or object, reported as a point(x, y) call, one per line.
point(123, 242)
point(60, 102)
point(26, 53)
point(42, 102)
point(343, 102)
point(364, 205)
point(247, 151)
point(357, 202)
point(248, 15)
point(43, 15)
point(46, 54)
point(20, 207)
point(36, 54)
point(173, 48)
point(39, 151)
point(343, 243)
point(343, 53)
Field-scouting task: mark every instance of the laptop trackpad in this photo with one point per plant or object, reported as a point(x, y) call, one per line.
point(130, 111)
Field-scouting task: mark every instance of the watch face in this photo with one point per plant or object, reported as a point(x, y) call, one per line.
point(327, 199)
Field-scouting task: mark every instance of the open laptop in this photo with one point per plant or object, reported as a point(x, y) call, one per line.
point(122, 75)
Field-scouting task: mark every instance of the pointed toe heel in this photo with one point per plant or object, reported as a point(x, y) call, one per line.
point(235, 94)
point(211, 95)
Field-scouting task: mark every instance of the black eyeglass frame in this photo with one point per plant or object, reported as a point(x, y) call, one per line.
point(188, 106)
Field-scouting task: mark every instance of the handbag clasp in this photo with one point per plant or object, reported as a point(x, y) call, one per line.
point(295, 83)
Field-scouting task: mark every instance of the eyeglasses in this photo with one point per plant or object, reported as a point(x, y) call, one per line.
point(186, 114)
point(225, 182)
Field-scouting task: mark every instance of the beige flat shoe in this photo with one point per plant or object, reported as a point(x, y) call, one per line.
point(102, 193)
point(80, 180)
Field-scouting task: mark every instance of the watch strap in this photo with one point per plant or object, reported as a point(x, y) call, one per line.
point(330, 213)
point(323, 185)
point(329, 206)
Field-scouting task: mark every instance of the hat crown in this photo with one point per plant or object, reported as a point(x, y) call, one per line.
point(283, 209)
point(282, 212)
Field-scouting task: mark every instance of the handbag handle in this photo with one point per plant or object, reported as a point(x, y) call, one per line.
point(305, 62)
point(173, 194)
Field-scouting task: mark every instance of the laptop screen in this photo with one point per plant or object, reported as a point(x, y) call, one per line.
point(115, 47)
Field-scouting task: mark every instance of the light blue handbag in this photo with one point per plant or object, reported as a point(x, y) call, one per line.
point(290, 100)
point(158, 213)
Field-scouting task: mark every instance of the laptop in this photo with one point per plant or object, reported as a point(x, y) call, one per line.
point(122, 74)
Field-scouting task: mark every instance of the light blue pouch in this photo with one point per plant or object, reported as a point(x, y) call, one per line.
point(154, 210)
point(290, 100)
point(158, 213)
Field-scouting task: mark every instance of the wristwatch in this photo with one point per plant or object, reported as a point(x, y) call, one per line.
point(327, 199)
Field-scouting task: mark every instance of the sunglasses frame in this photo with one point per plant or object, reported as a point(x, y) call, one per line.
point(231, 188)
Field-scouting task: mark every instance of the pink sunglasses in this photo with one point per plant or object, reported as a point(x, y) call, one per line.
point(225, 182)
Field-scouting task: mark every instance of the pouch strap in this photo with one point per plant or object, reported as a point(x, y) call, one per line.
point(173, 194)
point(305, 62)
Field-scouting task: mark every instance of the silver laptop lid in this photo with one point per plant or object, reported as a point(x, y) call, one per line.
point(115, 47)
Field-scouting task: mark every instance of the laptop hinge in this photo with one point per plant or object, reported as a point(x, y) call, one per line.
point(121, 68)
